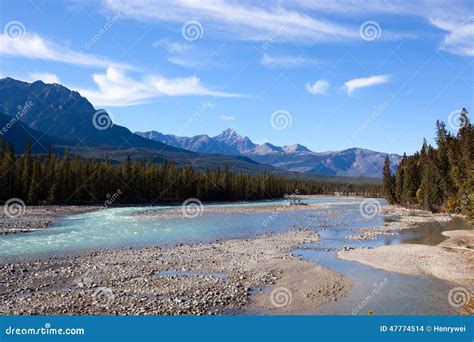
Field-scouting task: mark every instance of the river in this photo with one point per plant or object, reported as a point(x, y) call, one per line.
point(374, 291)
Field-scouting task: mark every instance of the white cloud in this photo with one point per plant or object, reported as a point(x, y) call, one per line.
point(365, 82)
point(46, 77)
point(172, 47)
point(460, 38)
point(287, 61)
point(319, 87)
point(187, 54)
point(227, 117)
point(118, 89)
point(37, 47)
point(455, 18)
point(238, 20)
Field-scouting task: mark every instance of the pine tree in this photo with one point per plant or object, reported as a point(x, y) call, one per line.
point(26, 170)
point(35, 189)
point(388, 181)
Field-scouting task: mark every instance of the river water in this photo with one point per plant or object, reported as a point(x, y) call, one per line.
point(374, 291)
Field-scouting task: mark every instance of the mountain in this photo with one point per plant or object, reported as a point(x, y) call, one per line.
point(18, 134)
point(228, 142)
point(352, 162)
point(56, 110)
point(51, 115)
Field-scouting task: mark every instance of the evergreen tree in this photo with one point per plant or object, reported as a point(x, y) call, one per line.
point(388, 186)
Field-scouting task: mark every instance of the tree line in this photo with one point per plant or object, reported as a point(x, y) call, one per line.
point(437, 178)
point(56, 179)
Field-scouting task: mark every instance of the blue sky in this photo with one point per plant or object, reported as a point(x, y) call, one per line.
point(328, 74)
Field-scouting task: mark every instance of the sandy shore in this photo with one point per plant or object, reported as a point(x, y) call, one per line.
point(38, 217)
point(451, 260)
point(187, 279)
point(397, 219)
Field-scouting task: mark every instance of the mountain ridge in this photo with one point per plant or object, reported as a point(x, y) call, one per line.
point(349, 162)
point(51, 115)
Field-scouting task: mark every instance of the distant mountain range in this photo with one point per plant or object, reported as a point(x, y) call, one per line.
point(52, 115)
point(298, 158)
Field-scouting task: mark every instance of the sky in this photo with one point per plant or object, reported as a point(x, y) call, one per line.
point(329, 75)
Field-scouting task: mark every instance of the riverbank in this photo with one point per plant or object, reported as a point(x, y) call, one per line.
point(197, 279)
point(397, 219)
point(451, 260)
point(38, 217)
point(228, 209)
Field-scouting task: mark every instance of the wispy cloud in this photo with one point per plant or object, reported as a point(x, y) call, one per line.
point(227, 117)
point(46, 77)
point(319, 87)
point(287, 61)
point(460, 38)
point(36, 47)
point(118, 89)
point(186, 54)
point(241, 20)
point(364, 82)
point(455, 18)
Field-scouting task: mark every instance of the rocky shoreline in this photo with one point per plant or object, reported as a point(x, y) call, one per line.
point(38, 217)
point(200, 279)
point(397, 219)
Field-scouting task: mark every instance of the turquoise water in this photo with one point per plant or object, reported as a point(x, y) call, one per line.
point(120, 227)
